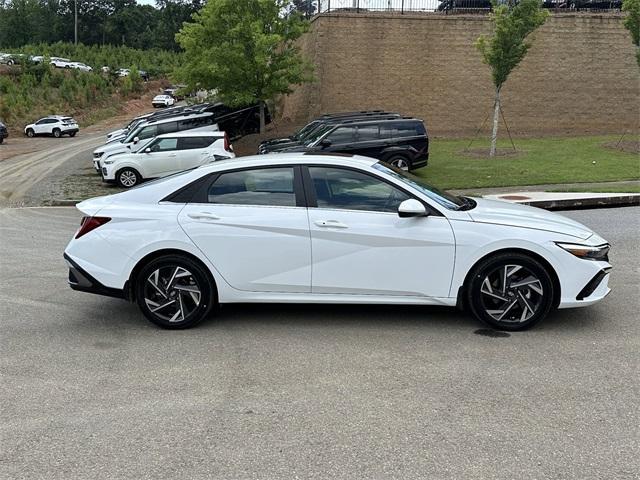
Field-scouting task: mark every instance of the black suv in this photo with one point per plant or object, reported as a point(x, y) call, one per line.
point(4, 133)
point(401, 142)
point(311, 129)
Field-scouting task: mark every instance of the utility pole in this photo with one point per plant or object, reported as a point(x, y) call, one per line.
point(75, 23)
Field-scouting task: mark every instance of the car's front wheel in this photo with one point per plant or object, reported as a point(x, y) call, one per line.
point(510, 291)
point(72, 134)
point(174, 292)
point(30, 133)
point(127, 178)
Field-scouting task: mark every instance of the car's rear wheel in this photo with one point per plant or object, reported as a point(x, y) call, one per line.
point(127, 178)
point(174, 292)
point(510, 291)
point(399, 161)
point(57, 133)
point(30, 133)
point(72, 134)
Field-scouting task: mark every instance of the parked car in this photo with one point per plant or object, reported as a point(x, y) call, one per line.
point(12, 58)
point(314, 128)
point(4, 132)
point(329, 229)
point(56, 125)
point(401, 142)
point(80, 66)
point(59, 62)
point(163, 101)
point(165, 155)
point(123, 72)
point(144, 75)
point(152, 128)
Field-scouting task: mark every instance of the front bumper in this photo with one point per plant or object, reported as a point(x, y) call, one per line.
point(82, 281)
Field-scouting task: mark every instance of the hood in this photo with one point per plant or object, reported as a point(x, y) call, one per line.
point(524, 216)
point(112, 147)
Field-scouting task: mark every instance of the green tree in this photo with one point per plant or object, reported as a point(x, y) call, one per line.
point(632, 22)
point(508, 45)
point(245, 50)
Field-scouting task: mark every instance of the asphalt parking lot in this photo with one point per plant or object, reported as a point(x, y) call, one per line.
point(90, 389)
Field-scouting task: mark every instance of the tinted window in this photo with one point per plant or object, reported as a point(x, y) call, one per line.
point(147, 132)
point(265, 186)
point(349, 190)
point(402, 129)
point(195, 123)
point(367, 133)
point(190, 143)
point(341, 135)
point(164, 145)
point(168, 127)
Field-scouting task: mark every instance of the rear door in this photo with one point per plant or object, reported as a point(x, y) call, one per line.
point(253, 227)
point(192, 151)
point(162, 159)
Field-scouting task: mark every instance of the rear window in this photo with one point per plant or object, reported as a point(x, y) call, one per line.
point(195, 122)
point(190, 143)
point(402, 129)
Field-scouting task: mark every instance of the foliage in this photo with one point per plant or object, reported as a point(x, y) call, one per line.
point(305, 7)
point(632, 22)
point(155, 62)
point(115, 22)
point(506, 48)
point(244, 49)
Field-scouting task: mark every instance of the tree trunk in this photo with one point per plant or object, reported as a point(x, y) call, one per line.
point(496, 117)
point(262, 120)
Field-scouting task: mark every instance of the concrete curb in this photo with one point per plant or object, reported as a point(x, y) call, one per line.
point(57, 202)
point(613, 201)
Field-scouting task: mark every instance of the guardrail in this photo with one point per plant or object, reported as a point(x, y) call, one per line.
point(313, 7)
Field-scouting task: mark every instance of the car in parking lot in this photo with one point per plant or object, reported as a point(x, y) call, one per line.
point(163, 101)
point(4, 132)
point(165, 155)
point(55, 125)
point(60, 62)
point(401, 142)
point(80, 66)
point(307, 228)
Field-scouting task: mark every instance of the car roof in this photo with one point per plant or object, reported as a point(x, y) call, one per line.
point(352, 121)
point(176, 118)
point(298, 158)
point(190, 133)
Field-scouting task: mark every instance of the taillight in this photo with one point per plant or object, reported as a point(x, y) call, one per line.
point(90, 223)
point(227, 145)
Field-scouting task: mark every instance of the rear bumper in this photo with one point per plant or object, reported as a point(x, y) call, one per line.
point(419, 163)
point(82, 281)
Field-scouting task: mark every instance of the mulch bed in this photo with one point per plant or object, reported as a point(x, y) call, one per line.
point(483, 153)
point(629, 146)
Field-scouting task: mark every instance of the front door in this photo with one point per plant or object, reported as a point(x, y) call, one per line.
point(253, 227)
point(361, 246)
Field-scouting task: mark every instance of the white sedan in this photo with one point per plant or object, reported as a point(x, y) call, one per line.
point(163, 101)
point(329, 229)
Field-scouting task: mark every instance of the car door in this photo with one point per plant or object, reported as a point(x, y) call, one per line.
point(340, 140)
point(253, 227)
point(192, 151)
point(160, 157)
point(43, 126)
point(362, 246)
point(368, 142)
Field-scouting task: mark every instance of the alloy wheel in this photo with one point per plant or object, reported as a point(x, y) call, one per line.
point(172, 293)
point(511, 294)
point(400, 163)
point(128, 178)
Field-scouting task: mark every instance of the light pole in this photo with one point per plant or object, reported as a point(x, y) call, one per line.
point(75, 22)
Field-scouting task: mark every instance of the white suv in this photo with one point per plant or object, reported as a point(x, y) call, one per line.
point(166, 154)
point(56, 125)
point(163, 101)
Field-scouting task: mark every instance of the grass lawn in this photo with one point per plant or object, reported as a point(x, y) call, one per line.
point(540, 161)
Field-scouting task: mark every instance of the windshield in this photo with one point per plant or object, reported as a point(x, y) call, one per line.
point(316, 134)
point(304, 131)
point(445, 199)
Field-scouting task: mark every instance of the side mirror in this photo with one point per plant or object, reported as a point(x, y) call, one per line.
point(147, 150)
point(324, 143)
point(135, 140)
point(412, 208)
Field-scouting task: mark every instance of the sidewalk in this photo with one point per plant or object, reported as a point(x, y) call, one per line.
point(549, 198)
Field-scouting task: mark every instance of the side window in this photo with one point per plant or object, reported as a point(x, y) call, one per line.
point(264, 186)
point(168, 127)
point(147, 132)
point(164, 145)
point(191, 143)
point(195, 123)
point(344, 189)
point(341, 135)
point(402, 129)
point(368, 133)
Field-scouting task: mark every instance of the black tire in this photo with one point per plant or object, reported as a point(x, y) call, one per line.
point(72, 134)
point(1, 140)
point(514, 306)
point(128, 177)
point(399, 161)
point(31, 133)
point(178, 293)
point(57, 133)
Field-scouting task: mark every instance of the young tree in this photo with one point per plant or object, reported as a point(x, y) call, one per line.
point(507, 46)
point(632, 22)
point(245, 50)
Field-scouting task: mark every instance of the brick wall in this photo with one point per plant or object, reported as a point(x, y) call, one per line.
point(579, 77)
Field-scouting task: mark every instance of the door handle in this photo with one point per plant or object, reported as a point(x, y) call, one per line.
point(203, 216)
point(330, 224)
point(172, 155)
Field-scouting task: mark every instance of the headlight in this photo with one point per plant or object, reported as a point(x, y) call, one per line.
point(107, 162)
point(588, 252)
